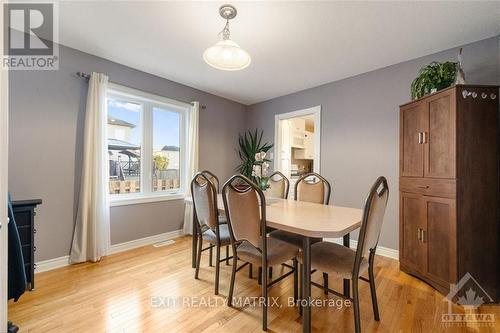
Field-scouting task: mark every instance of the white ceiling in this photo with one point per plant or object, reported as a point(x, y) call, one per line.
point(294, 45)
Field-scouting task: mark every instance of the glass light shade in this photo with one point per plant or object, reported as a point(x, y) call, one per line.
point(227, 56)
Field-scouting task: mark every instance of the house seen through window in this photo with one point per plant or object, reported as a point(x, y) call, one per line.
point(145, 145)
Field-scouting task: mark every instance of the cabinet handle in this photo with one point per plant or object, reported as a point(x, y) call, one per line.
point(424, 137)
point(418, 234)
point(423, 186)
point(419, 137)
point(424, 236)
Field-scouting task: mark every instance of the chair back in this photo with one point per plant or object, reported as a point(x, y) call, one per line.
point(246, 216)
point(373, 216)
point(204, 196)
point(278, 185)
point(213, 178)
point(312, 187)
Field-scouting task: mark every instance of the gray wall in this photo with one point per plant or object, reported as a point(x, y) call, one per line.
point(46, 133)
point(359, 137)
point(360, 123)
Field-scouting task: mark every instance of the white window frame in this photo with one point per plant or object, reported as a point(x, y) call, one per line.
point(150, 101)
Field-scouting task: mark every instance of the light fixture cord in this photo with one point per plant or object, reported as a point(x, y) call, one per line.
point(226, 34)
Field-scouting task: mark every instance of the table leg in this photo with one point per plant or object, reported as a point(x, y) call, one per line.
point(306, 285)
point(347, 288)
point(195, 241)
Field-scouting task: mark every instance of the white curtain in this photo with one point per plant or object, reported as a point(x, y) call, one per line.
point(91, 238)
point(193, 163)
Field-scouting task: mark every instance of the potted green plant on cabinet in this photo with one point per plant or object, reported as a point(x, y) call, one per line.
point(433, 77)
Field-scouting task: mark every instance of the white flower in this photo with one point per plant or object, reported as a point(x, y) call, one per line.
point(256, 170)
point(265, 168)
point(259, 157)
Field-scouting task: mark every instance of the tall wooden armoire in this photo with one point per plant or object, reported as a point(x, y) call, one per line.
point(449, 187)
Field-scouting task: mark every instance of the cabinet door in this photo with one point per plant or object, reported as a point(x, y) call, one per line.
point(309, 145)
point(439, 136)
point(413, 251)
point(411, 147)
point(440, 238)
point(298, 125)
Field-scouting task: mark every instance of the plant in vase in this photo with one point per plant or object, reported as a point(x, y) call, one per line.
point(251, 149)
point(259, 171)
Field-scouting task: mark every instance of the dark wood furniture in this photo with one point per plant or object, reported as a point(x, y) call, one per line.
point(449, 187)
point(24, 213)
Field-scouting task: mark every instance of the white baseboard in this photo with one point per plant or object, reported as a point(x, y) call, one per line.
point(382, 251)
point(47, 265)
point(144, 241)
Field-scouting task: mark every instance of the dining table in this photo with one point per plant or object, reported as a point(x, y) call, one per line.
point(309, 220)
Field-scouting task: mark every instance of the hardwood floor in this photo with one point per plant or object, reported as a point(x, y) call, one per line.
point(127, 292)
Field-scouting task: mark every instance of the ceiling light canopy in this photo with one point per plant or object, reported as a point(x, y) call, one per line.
point(226, 55)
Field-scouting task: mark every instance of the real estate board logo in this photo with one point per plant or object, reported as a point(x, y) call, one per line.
point(468, 294)
point(30, 36)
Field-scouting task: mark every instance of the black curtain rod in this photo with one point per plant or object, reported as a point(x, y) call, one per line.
point(87, 77)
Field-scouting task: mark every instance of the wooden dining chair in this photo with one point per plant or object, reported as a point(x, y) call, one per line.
point(245, 206)
point(222, 218)
point(311, 187)
point(349, 264)
point(279, 186)
point(209, 229)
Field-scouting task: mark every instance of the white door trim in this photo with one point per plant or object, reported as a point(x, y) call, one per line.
point(316, 112)
point(4, 151)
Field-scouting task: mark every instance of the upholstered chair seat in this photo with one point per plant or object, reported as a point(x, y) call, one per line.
point(225, 238)
point(334, 258)
point(277, 252)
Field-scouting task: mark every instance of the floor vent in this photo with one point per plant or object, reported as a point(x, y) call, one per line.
point(164, 243)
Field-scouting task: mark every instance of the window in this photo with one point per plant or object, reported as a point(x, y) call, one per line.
point(166, 149)
point(124, 145)
point(146, 146)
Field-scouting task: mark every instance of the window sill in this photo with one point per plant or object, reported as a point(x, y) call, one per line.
point(136, 200)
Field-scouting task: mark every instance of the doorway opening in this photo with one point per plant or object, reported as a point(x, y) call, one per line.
point(297, 137)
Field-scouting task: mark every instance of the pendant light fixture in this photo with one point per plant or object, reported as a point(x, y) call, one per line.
point(226, 55)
